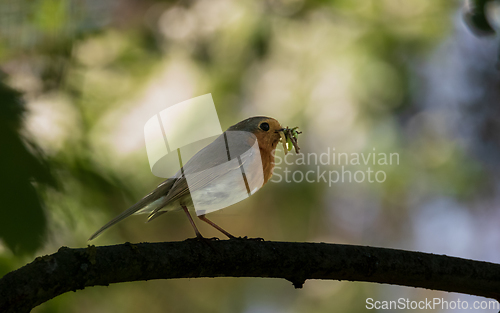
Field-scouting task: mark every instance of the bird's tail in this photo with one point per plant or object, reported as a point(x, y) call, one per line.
point(145, 205)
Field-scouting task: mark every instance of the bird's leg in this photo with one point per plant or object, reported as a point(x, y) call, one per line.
point(206, 220)
point(198, 234)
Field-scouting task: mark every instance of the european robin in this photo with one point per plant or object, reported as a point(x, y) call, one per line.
point(231, 168)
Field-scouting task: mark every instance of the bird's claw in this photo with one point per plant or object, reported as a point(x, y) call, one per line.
point(205, 240)
point(257, 239)
point(246, 238)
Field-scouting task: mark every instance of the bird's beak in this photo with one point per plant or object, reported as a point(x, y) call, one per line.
point(281, 131)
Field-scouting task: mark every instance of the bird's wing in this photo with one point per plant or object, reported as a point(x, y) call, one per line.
point(148, 200)
point(211, 163)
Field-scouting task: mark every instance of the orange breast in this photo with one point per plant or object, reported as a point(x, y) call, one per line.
point(267, 165)
point(267, 146)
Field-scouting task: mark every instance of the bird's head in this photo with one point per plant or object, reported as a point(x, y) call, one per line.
point(266, 129)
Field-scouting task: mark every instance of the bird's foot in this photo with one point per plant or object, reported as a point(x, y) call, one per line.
point(246, 238)
point(207, 241)
point(201, 238)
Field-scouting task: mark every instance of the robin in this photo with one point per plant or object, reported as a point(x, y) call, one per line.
point(212, 178)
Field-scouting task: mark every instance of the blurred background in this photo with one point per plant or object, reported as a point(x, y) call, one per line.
point(80, 79)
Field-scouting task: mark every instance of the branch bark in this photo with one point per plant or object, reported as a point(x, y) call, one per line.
point(72, 269)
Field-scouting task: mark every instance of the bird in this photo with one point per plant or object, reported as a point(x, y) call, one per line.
point(212, 178)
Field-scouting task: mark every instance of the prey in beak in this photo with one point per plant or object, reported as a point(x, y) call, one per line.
point(289, 138)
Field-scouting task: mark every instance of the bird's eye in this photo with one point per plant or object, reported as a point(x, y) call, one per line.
point(264, 126)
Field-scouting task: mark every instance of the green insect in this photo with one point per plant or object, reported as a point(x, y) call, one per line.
point(294, 133)
point(289, 139)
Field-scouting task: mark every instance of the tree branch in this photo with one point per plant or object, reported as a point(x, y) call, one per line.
point(71, 269)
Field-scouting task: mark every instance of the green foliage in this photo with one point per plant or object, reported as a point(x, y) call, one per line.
point(23, 224)
point(51, 15)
